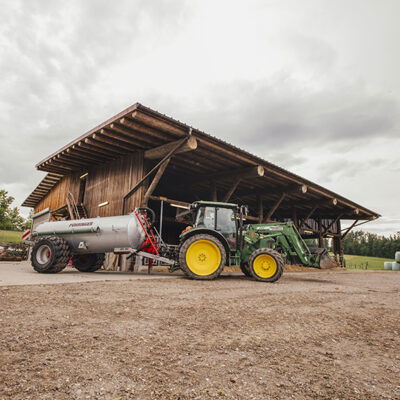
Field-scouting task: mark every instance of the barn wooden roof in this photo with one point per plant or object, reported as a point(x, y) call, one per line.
point(141, 128)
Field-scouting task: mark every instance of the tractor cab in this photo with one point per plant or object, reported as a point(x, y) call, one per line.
point(220, 217)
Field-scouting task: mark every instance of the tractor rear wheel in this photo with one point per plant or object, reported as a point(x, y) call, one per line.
point(202, 256)
point(266, 265)
point(244, 267)
point(88, 262)
point(50, 255)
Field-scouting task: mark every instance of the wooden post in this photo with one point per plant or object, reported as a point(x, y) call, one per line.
point(294, 218)
point(260, 209)
point(275, 207)
point(340, 243)
point(155, 181)
point(231, 190)
point(320, 237)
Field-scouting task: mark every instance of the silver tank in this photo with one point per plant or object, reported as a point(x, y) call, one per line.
point(95, 235)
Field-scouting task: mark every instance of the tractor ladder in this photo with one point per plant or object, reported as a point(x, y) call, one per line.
point(76, 211)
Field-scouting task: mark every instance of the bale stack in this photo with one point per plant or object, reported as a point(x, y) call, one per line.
point(395, 265)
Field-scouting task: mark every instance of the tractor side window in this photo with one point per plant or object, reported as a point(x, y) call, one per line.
point(206, 217)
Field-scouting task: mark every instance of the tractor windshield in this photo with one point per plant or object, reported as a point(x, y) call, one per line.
point(226, 224)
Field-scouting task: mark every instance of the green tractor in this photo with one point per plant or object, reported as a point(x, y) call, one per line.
point(218, 238)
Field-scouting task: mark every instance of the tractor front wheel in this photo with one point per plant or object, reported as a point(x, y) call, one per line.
point(50, 255)
point(266, 265)
point(202, 256)
point(88, 262)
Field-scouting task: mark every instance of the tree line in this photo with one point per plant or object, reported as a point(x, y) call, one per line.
point(10, 218)
point(370, 244)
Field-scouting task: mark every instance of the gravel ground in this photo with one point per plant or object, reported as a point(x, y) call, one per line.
point(330, 335)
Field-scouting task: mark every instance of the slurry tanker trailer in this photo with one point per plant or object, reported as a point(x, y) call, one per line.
point(217, 237)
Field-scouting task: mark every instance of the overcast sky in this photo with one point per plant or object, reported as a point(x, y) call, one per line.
point(313, 86)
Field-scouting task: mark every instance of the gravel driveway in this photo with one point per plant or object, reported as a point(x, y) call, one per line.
point(330, 335)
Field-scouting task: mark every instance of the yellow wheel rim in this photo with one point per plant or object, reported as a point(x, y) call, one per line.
point(265, 266)
point(203, 257)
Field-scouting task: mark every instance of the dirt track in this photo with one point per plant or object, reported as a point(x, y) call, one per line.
point(331, 335)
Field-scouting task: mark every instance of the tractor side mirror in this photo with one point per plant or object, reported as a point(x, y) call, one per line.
point(244, 211)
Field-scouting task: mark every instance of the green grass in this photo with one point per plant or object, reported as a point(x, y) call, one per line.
point(10, 236)
point(362, 262)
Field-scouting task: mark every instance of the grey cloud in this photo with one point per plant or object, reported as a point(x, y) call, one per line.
point(292, 116)
point(53, 56)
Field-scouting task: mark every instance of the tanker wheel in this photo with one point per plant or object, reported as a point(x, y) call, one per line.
point(266, 265)
point(202, 257)
point(50, 255)
point(244, 267)
point(88, 262)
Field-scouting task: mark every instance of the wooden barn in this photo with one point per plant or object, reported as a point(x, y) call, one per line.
point(141, 157)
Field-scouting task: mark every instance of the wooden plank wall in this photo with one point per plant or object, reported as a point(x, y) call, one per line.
point(57, 196)
point(111, 182)
point(108, 182)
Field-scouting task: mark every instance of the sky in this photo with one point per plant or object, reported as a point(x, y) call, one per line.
point(312, 86)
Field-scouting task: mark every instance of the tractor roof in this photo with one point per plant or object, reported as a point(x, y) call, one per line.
point(215, 204)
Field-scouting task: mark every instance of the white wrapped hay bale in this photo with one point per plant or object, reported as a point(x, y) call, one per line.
point(396, 266)
point(387, 265)
point(397, 256)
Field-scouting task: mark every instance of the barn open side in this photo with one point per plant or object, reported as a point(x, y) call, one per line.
point(141, 157)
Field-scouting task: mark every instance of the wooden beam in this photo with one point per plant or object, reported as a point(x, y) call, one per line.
point(242, 173)
point(102, 137)
point(158, 123)
point(292, 189)
point(160, 151)
point(170, 201)
point(349, 229)
point(86, 154)
point(142, 140)
point(93, 149)
point(80, 158)
point(308, 215)
point(125, 141)
point(51, 168)
point(275, 207)
point(60, 163)
point(155, 181)
point(100, 145)
point(140, 128)
point(231, 190)
point(68, 160)
point(332, 223)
